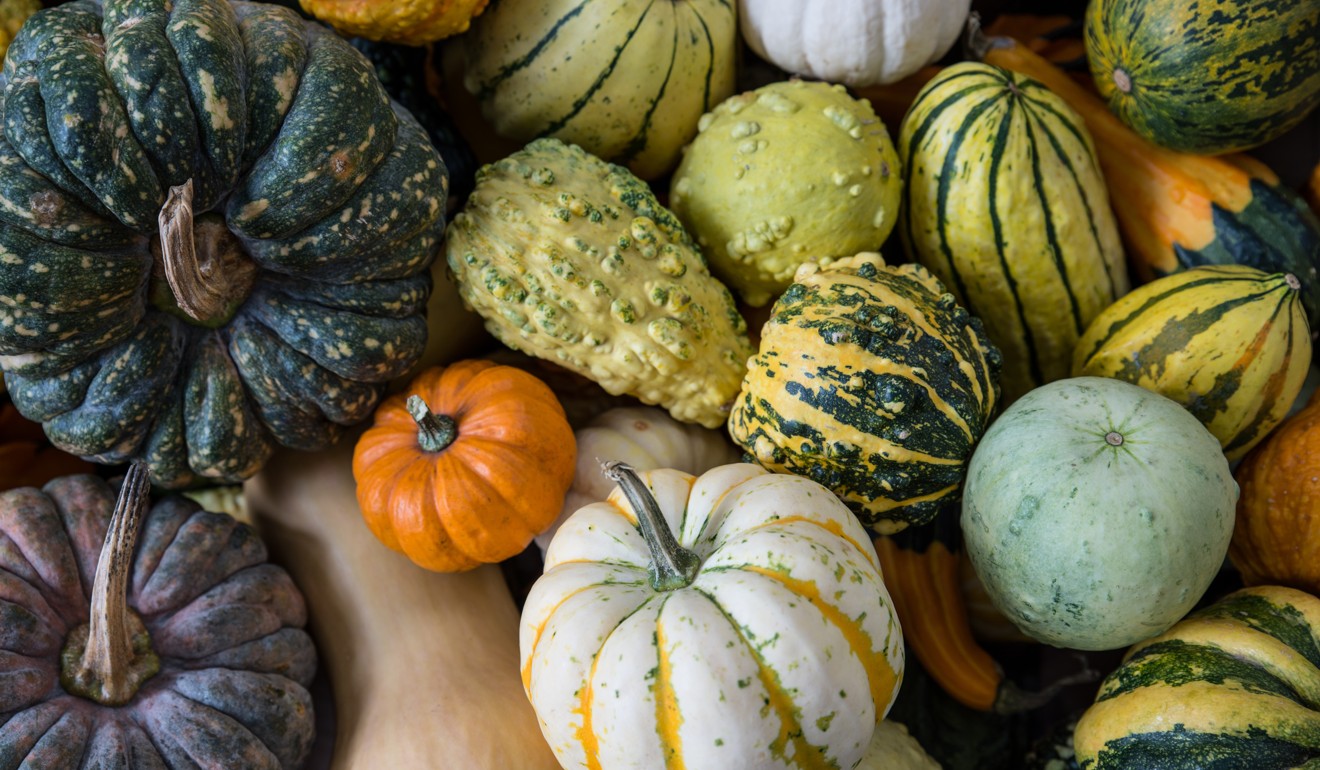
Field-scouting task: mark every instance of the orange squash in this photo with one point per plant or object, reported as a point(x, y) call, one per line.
point(26, 458)
point(1312, 192)
point(1276, 540)
point(465, 466)
point(407, 22)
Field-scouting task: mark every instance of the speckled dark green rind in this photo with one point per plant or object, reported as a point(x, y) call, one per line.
point(388, 299)
point(149, 80)
point(1208, 77)
point(227, 626)
point(209, 50)
point(226, 440)
point(166, 447)
point(338, 130)
point(52, 278)
point(275, 40)
point(1186, 750)
point(103, 327)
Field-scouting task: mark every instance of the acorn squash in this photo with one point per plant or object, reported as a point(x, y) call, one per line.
point(262, 273)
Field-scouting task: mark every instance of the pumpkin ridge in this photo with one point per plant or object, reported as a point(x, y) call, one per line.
point(638, 142)
point(585, 734)
point(484, 90)
point(668, 717)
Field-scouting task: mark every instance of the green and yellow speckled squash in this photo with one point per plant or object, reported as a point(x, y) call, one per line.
point(1004, 202)
point(873, 382)
point(1206, 77)
point(218, 241)
point(626, 80)
point(1235, 685)
point(1228, 342)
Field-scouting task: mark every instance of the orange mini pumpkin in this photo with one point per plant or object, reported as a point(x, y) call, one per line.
point(1276, 540)
point(465, 466)
point(26, 458)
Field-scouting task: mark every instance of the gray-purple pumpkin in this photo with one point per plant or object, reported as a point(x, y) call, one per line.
point(182, 650)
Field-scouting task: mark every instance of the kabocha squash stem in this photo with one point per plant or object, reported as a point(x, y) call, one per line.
point(113, 664)
point(672, 566)
point(434, 431)
point(207, 270)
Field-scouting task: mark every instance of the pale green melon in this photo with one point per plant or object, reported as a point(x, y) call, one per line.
point(1097, 512)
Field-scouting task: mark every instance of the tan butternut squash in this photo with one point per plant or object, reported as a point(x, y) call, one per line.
point(424, 666)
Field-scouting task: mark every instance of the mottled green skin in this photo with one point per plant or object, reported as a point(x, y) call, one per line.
point(227, 627)
point(1207, 77)
point(334, 192)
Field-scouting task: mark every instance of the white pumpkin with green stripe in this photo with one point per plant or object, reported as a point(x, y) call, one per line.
point(735, 620)
point(626, 80)
point(1005, 203)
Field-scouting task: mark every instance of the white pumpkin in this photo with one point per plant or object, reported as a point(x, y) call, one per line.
point(854, 42)
point(646, 438)
point(892, 748)
point(761, 637)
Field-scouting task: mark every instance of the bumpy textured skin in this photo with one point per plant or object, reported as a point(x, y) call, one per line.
point(892, 748)
point(789, 173)
point(1208, 77)
point(1003, 200)
point(655, 69)
point(1236, 684)
point(1088, 544)
point(337, 196)
point(227, 626)
point(1228, 342)
point(406, 22)
point(572, 259)
point(782, 654)
point(873, 382)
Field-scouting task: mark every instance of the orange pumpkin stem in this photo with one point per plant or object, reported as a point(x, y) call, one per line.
point(672, 565)
point(109, 658)
point(434, 431)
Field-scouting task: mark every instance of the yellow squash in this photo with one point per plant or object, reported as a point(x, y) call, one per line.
point(12, 15)
point(406, 22)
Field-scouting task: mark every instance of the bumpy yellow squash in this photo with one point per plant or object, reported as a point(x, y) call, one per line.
point(407, 22)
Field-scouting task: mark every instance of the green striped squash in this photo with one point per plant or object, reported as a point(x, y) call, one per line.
point(1206, 77)
point(873, 382)
point(1235, 685)
point(626, 80)
point(1228, 342)
point(1004, 202)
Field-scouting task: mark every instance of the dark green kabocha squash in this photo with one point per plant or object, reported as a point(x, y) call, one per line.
point(215, 233)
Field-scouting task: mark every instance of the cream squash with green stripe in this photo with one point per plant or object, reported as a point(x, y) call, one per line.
point(1228, 342)
point(1235, 685)
point(735, 620)
point(1005, 203)
point(873, 382)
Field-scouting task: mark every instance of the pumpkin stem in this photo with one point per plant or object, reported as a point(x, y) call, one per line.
point(207, 270)
point(434, 431)
point(976, 44)
point(109, 658)
point(672, 566)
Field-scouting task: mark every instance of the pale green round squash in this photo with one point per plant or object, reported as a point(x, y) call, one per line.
point(1097, 512)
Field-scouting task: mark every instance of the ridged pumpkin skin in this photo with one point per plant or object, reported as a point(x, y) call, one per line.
point(653, 69)
point(482, 498)
point(791, 172)
point(406, 22)
point(1096, 512)
point(1235, 685)
point(573, 260)
point(873, 382)
point(783, 652)
point(1177, 210)
point(1208, 77)
point(1277, 537)
point(227, 627)
point(302, 165)
point(1004, 202)
point(1228, 342)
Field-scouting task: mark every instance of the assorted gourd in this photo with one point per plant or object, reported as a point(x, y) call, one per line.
point(223, 236)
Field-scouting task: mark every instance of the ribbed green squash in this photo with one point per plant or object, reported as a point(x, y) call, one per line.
point(1235, 685)
point(1004, 202)
point(1210, 76)
point(1228, 342)
point(627, 80)
point(318, 204)
point(873, 382)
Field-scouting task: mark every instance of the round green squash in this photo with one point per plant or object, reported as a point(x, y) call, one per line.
point(1207, 77)
point(1097, 512)
point(215, 233)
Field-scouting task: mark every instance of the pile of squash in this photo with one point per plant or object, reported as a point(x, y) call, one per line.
point(624, 384)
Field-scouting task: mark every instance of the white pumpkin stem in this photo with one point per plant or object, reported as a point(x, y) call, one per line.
point(672, 565)
point(205, 266)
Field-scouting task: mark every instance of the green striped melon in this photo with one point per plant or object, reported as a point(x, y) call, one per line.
point(1206, 77)
point(1228, 342)
point(1235, 685)
point(873, 382)
point(626, 80)
point(1004, 202)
